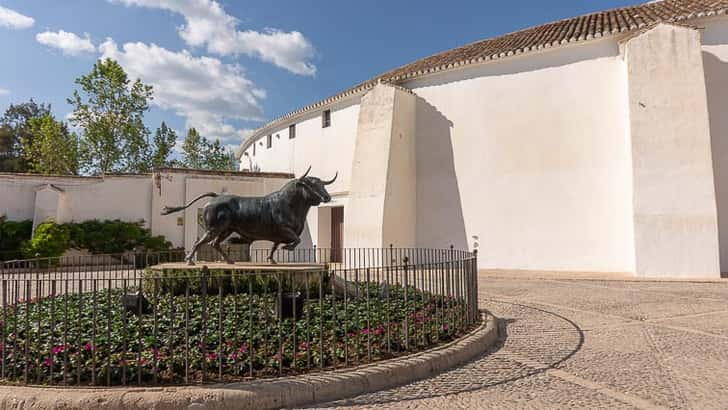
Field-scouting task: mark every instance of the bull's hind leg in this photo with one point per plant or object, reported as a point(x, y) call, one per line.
point(216, 245)
point(207, 237)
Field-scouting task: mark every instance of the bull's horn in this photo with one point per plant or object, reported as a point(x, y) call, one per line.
point(332, 179)
point(306, 173)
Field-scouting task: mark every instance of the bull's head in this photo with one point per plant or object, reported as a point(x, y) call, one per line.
point(314, 189)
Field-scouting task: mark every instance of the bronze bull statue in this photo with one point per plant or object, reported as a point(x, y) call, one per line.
point(278, 217)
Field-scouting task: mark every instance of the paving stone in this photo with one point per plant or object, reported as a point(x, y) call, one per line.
point(586, 344)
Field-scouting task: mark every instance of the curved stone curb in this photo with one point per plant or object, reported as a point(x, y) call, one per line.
point(263, 394)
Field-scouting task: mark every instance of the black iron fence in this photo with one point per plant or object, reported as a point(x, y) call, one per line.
point(147, 318)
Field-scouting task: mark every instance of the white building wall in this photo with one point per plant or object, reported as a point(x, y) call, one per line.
point(530, 157)
point(675, 219)
point(381, 204)
point(715, 64)
point(327, 150)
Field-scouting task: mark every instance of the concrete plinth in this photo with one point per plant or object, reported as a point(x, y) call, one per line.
point(242, 266)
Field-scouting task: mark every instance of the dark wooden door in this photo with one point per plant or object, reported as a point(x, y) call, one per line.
point(337, 233)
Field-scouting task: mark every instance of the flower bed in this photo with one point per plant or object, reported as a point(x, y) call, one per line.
point(89, 338)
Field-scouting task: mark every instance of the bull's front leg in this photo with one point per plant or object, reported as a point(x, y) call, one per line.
point(290, 239)
point(291, 246)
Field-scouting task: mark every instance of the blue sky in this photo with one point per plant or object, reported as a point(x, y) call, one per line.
point(227, 66)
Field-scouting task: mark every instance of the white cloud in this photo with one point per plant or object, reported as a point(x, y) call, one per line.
point(68, 43)
point(4, 91)
point(204, 90)
point(207, 24)
point(13, 19)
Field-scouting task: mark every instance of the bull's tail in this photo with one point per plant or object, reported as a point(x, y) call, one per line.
point(168, 210)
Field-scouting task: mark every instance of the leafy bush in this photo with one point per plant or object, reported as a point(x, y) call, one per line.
point(12, 236)
point(50, 240)
point(98, 237)
point(114, 237)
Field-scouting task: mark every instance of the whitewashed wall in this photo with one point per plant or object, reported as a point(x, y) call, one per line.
point(675, 218)
point(130, 198)
point(530, 155)
point(715, 64)
point(125, 197)
point(328, 150)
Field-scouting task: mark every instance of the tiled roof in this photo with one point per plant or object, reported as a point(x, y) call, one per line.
point(571, 30)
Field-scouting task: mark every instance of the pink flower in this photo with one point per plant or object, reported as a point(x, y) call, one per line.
point(48, 362)
point(212, 356)
point(365, 331)
point(58, 349)
point(234, 355)
point(378, 331)
point(303, 346)
point(155, 353)
point(243, 348)
point(445, 327)
point(88, 346)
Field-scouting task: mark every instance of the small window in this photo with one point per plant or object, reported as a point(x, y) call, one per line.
point(292, 131)
point(269, 141)
point(326, 119)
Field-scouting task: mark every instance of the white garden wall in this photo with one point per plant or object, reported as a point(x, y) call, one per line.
point(130, 198)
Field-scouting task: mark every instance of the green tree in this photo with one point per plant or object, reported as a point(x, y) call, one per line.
point(110, 110)
point(200, 153)
point(52, 148)
point(164, 139)
point(14, 127)
point(218, 157)
point(193, 149)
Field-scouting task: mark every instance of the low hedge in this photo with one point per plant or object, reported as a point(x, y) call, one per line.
point(98, 237)
point(176, 281)
point(12, 236)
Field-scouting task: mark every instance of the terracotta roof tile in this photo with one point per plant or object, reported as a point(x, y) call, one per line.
point(548, 35)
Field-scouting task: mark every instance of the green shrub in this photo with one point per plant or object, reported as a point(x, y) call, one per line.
point(50, 240)
point(115, 237)
point(98, 237)
point(12, 236)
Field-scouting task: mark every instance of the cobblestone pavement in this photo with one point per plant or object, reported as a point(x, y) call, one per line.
point(586, 344)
